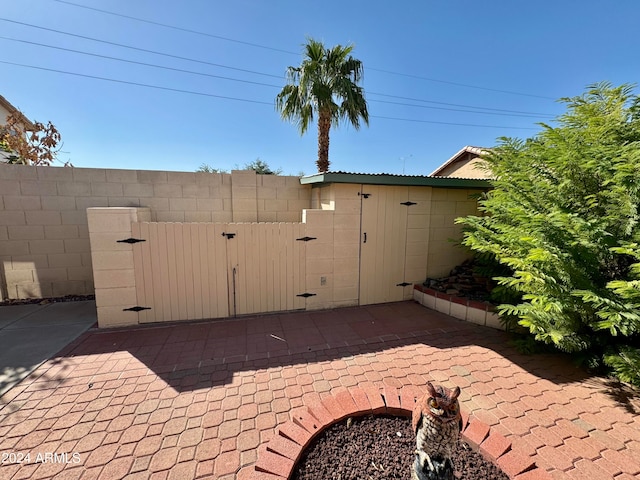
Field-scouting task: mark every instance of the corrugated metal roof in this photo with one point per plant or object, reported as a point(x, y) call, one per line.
point(393, 179)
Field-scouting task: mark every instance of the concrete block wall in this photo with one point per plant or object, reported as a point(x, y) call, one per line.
point(113, 266)
point(44, 238)
point(446, 206)
point(333, 259)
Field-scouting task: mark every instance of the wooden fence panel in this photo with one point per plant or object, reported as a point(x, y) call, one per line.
point(188, 271)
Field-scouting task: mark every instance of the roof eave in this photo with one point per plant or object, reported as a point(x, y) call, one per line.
point(11, 109)
point(468, 149)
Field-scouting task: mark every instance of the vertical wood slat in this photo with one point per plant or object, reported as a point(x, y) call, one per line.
point(138, 270)
point(196, 253)
point(151, 264)
point(261, 247)
point(145, 253)
point(283, 279)
point(239, 280)
point(164, 273)
point(270, 269)
point(300, 302)
point(248, 284)
point(289, 241)
point(217, 270)
point(205, 287)
point(189, 267)
point(168, 241)
point(177, 256)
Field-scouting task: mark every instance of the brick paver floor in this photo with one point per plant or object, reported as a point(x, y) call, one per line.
point(196, 400)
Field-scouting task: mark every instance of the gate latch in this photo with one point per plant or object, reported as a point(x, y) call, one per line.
point(228, 235)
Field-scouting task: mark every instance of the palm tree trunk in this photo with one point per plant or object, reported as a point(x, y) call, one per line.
point(324, 124)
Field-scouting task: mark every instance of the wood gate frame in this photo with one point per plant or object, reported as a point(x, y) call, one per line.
point(190, 271)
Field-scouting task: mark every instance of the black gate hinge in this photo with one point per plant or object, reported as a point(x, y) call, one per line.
point(403, 284)
point(131, 240)
point(137, 308)
point(228, 235)
point(408, 204)
point(306, 239)
point(306, 295)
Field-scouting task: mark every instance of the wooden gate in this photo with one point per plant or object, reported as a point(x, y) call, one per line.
point(383, 243)
point(189, 271)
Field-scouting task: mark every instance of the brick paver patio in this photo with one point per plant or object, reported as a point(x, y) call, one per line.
point(197, 400)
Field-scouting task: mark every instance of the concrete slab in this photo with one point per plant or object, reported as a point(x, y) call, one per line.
point(12, 313)
point(63, 313)
point(33, 335)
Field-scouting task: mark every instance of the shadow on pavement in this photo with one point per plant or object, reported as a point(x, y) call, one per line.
point(206, 354)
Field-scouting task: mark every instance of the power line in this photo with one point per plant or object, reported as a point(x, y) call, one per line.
point(173, 27)
point(457, 109)
point(141, 49)
point(191, 72)
point(191, 92)
point(461, 84)
point(455, 104)
point(257, 45)
point(146, 85)
point(450, 123)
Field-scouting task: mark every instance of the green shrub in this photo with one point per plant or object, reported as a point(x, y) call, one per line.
point(562, 221)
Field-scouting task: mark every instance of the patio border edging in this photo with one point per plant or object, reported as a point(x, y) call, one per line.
point(278, 457)
point(480, 313)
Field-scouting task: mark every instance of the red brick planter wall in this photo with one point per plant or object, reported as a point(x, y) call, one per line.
point(480, 313)
point(278, 457)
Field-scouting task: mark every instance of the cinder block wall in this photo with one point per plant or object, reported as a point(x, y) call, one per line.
point(44, 239)
point(332, 265)
point(447, 205)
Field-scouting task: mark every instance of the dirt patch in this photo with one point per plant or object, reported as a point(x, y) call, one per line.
point(378, 447)
point(44, 301)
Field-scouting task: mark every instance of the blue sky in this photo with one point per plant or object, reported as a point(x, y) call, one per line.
point(455, 54)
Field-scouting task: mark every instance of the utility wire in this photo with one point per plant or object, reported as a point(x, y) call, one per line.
point(140, 49)
point(191, 92)
point(456, 104)
point(457, 109)
point(146, 85)
point(494, 111)
point(450, 123)
point(461, 84)
point(153, 65)
point(173, 27)
point(196, 32)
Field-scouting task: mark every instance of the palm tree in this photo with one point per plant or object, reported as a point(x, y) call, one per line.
point(326, 85)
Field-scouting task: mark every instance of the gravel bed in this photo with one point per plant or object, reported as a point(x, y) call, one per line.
point(44, 301)
point(378, 447)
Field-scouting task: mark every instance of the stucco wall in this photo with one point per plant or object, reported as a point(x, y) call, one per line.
point(44, 239)
point(470, 166)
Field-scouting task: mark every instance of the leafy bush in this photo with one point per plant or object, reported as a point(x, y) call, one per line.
point(563, 220)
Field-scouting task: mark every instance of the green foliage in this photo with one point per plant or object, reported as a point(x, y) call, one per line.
point(206, 168)
point(562, 222)
point(325, 85)
point(626, 364)
point(262, 168)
